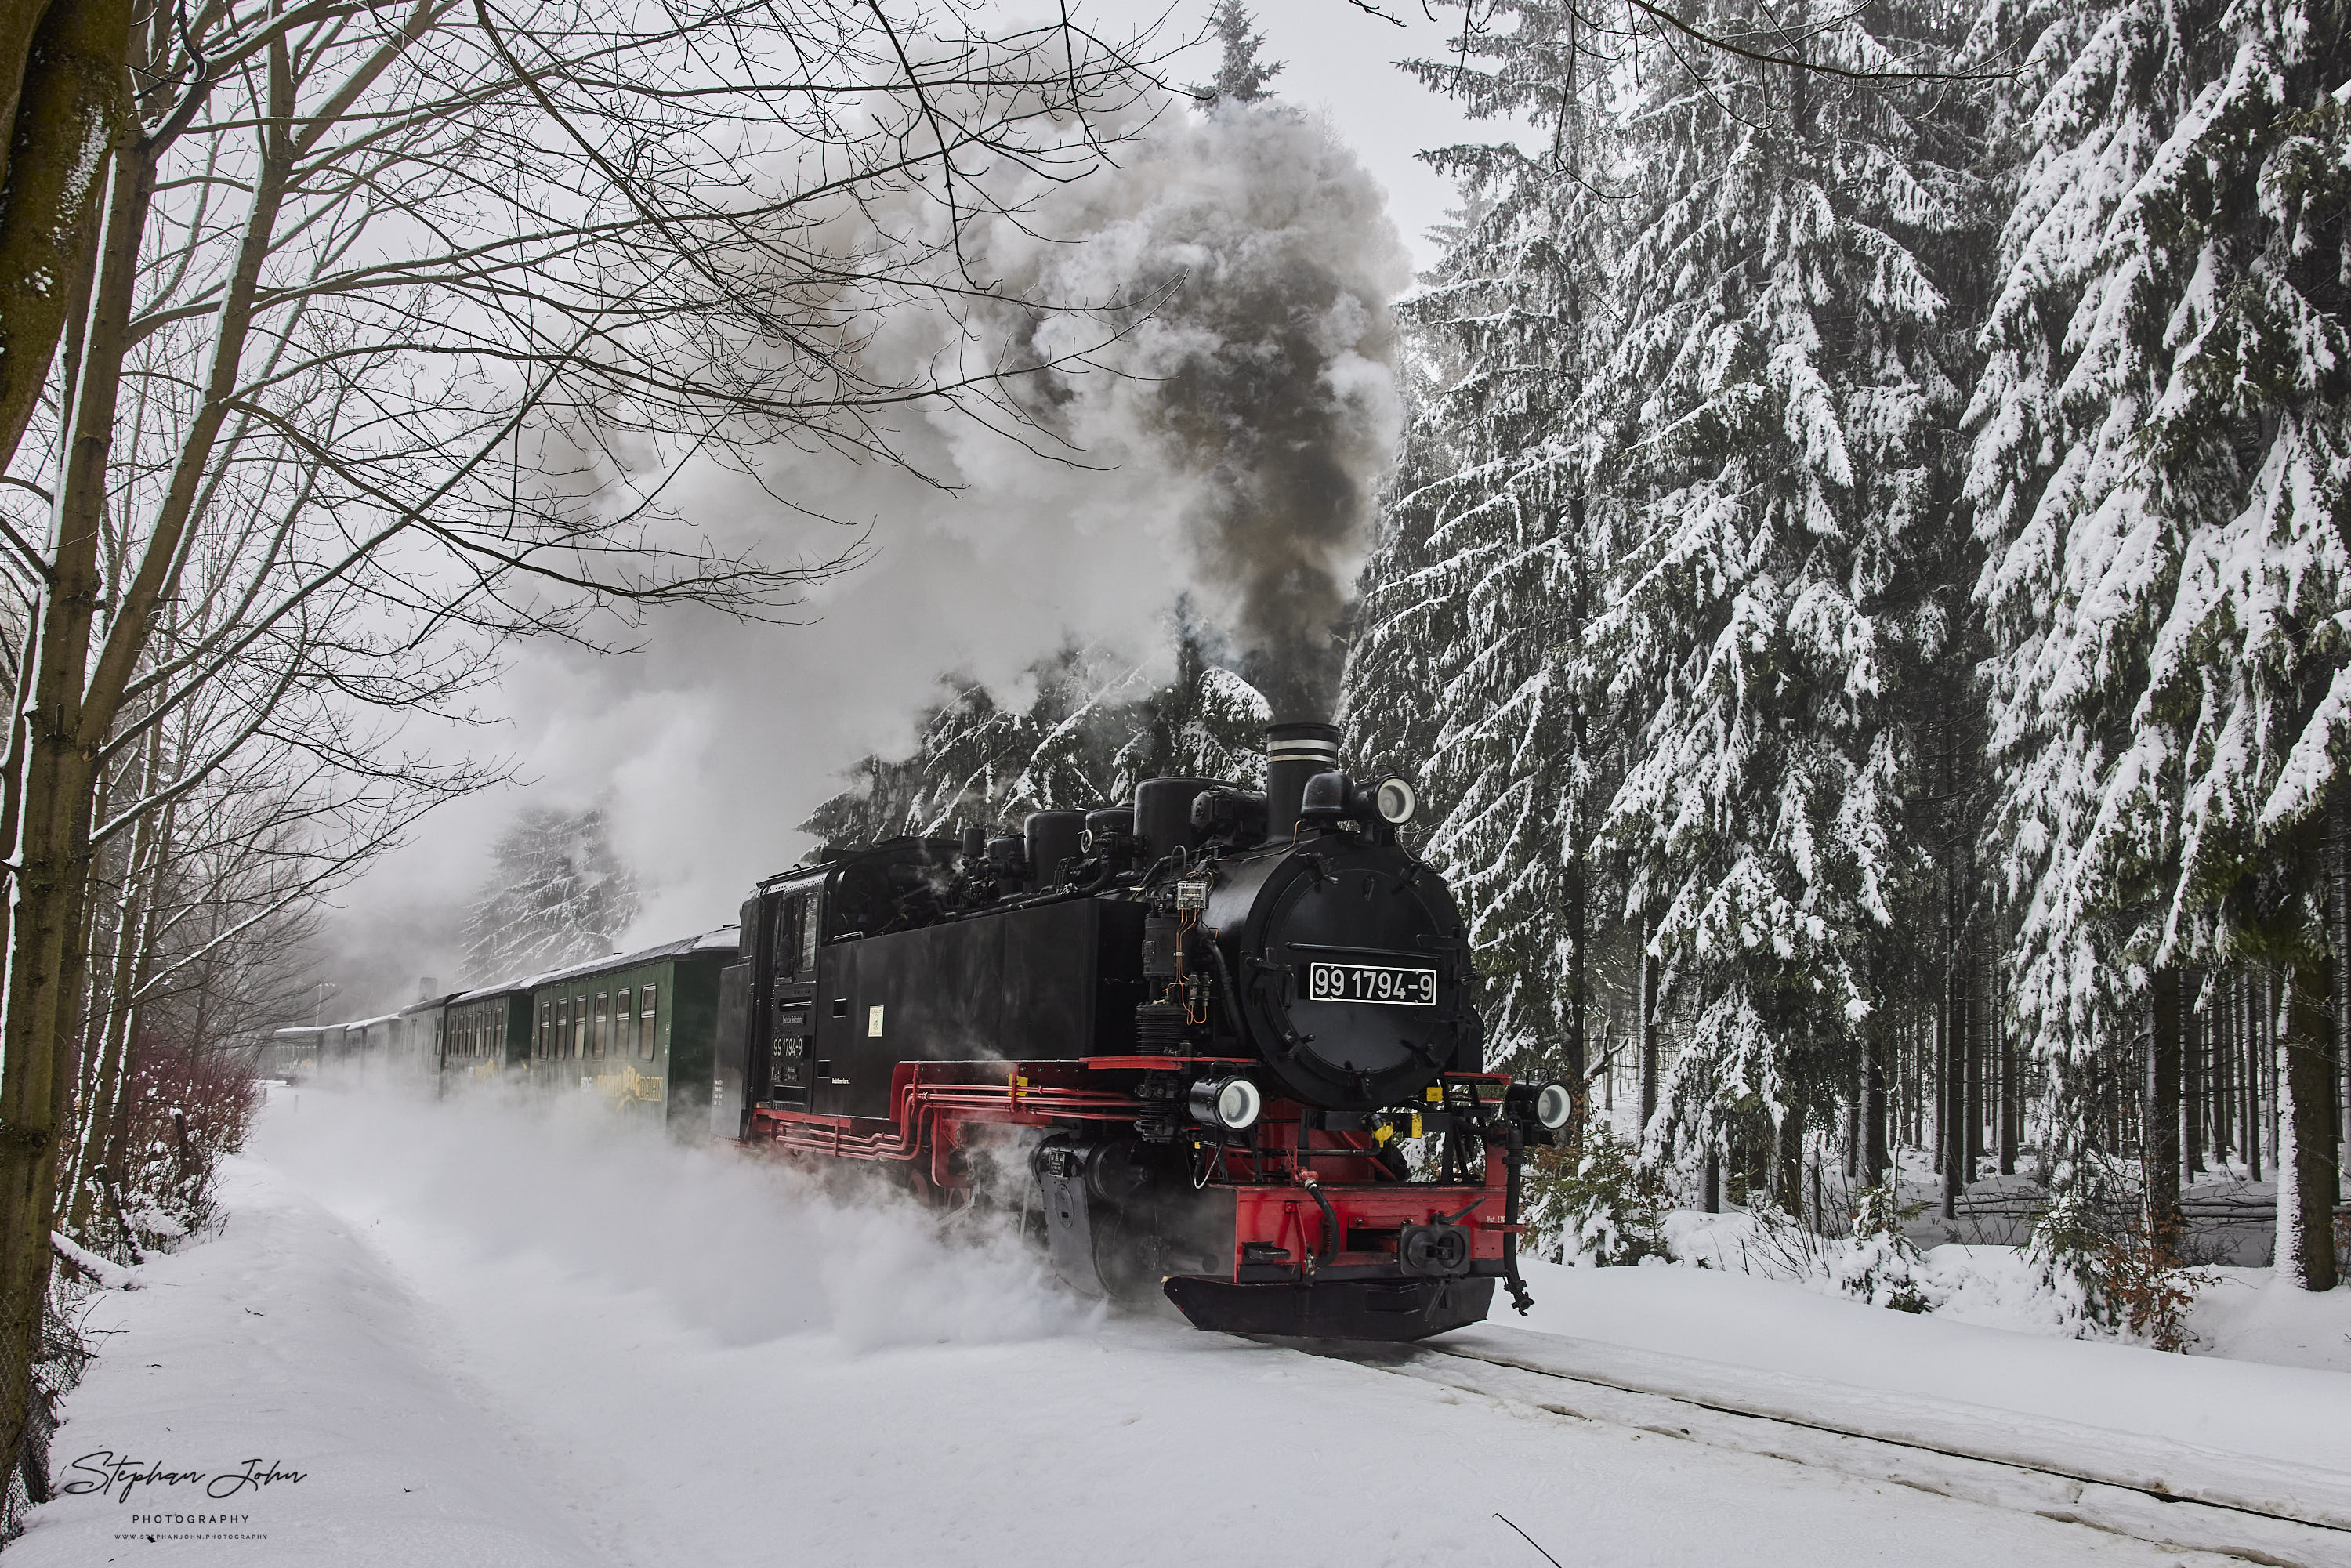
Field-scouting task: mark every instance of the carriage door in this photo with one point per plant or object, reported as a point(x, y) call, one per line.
point(793, 988)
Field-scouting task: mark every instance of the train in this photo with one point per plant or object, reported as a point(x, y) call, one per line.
point(1216, 1046)
point(635, 1028)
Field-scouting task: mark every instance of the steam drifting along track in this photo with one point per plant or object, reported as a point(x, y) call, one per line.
point(2153, 1490)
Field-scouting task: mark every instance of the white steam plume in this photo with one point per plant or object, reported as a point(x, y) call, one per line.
point(732, 1244)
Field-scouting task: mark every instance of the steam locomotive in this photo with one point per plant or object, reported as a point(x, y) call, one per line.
point(1198, 1034)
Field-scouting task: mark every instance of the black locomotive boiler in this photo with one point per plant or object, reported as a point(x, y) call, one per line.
point(1206, 1027)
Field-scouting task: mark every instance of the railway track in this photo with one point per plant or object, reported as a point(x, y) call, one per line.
point(2166, 1493)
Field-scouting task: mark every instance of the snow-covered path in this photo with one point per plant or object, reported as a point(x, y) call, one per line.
point(607, 1386)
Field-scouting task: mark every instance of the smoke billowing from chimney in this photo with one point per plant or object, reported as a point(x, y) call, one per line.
point(1264, 369)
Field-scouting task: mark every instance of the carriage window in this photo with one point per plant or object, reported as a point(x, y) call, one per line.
point(624, 1025)
point(648, 1009)
point(603, 1018)
point(579, 1025)
point(562, 1026)
point(538, 1047)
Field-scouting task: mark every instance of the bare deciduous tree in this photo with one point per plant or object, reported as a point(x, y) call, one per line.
point(392, 326)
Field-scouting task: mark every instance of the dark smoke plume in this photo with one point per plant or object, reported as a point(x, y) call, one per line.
point(1265, 375)
point(1288, 461)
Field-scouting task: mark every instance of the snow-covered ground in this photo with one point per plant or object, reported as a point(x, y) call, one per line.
point(491, 1337)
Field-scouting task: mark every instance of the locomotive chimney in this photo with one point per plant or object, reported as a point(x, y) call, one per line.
point(1293, 753)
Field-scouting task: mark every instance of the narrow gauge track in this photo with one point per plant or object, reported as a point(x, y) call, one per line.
point(2164, 1493)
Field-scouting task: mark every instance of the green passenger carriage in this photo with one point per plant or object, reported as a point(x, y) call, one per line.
point(483, 1033)
point(634, 1028)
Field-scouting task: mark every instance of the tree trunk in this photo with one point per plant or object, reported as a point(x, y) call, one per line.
point(65, 110)
point(1788, 1161)
point(2222, 1013)
point(2338, 910)
point(1873, 1102)
point(1577, 914)
point(1973, 1081)
point(2306, 1152)
point(2192, 1033)
point(2011, 1098)
point(1952, 1129)
point(44, 968)
point(2257, 991)
point(94, 1145)
point(1648, 1005)
point(20, 20)
point(2159, 1139)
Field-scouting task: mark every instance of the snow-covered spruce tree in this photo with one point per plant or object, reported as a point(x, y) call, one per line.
point(1094, 729)
point(1241, 77)
point(1470, 668)
point(2082, 537)
point(1774, 409)
point(2161, 468)
point(1205, 723)
point(970, 753)
point(557, 893)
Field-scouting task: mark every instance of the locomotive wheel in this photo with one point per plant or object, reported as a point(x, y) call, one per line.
point(1127, 1258)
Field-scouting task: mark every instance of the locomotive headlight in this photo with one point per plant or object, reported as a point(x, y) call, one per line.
point(1232, 1103)
point(1553, 1106)
point(1396, 801)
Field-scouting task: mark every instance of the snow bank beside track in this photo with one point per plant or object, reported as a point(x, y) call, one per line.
point(2288, 1415)
point(286, 1341)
